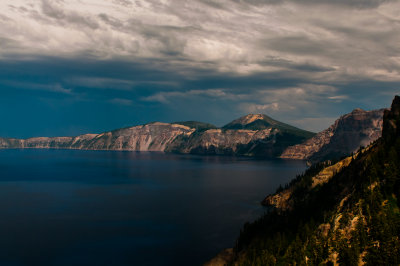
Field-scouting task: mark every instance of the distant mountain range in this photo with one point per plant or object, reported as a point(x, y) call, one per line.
point(346, 135)
point(250, 135)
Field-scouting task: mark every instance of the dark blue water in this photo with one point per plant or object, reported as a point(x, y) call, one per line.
point(69, 207)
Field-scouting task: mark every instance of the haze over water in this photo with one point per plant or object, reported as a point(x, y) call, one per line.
point(71, 207)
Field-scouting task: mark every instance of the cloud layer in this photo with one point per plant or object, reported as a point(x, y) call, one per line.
point(301, 60)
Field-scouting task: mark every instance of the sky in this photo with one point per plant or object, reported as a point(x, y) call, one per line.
point(69, 67)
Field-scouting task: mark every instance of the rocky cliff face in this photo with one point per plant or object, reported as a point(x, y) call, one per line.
point(251, 135)
point(218, 141)
point(346, 135)
point(283, 200)
point(267, 137)
point(150, 137)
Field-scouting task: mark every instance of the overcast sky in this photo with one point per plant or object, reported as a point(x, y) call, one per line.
point(75, 66)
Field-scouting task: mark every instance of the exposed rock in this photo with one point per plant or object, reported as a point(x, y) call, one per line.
point(346, 135)
point(150, 137)
point(217, 141)
point(198, 126)
point(328, 172)
point(261, 121)
point(268, 139)
point(251, 135)
point(279, 200)
point(283, 201)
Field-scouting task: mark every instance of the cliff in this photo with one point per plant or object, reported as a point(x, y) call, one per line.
point(267, 137)
point(345, 136)
point(151, 137)
point(344, 212)
point(284, 200)
point(251, 135)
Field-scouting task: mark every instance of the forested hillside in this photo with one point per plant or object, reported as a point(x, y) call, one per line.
point(350, 218)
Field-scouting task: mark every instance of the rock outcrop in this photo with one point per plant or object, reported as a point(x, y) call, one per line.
point(267, 137)
point(218, 141)
point(346, 135)
point(151, 137)
point(251, 135)
point(283, 200)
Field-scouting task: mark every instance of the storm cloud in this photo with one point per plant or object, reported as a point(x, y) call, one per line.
point(304, 62)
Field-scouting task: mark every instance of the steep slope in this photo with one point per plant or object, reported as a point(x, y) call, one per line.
point(151, 137)
point(261, 121)
point(218, 141)
point(284, 200)
point(181, 137)
point(345, 212)
point(252, 135)
point(346, 135)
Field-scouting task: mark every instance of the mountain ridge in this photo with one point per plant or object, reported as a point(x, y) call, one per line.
point(258, 122)
point(338, 212)
point(250, 135)
point(180, 137)
point(344, 136)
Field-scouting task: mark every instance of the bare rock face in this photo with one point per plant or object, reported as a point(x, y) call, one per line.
point(346, 135)
point(280, 200)
point(150, 137)
point(218, 141)
point(252, 135)
point(311, 146)
point(283, 200)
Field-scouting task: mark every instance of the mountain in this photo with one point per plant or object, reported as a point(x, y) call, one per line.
point(150, 137)
point(261, 121)
point(252, 135)
point(346, 135)
point(181, 137)
point(199, 126)
point(344, 212)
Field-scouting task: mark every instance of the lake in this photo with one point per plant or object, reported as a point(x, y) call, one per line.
point(73, 207)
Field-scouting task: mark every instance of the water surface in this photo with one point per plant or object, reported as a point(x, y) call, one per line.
point(71, 207)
